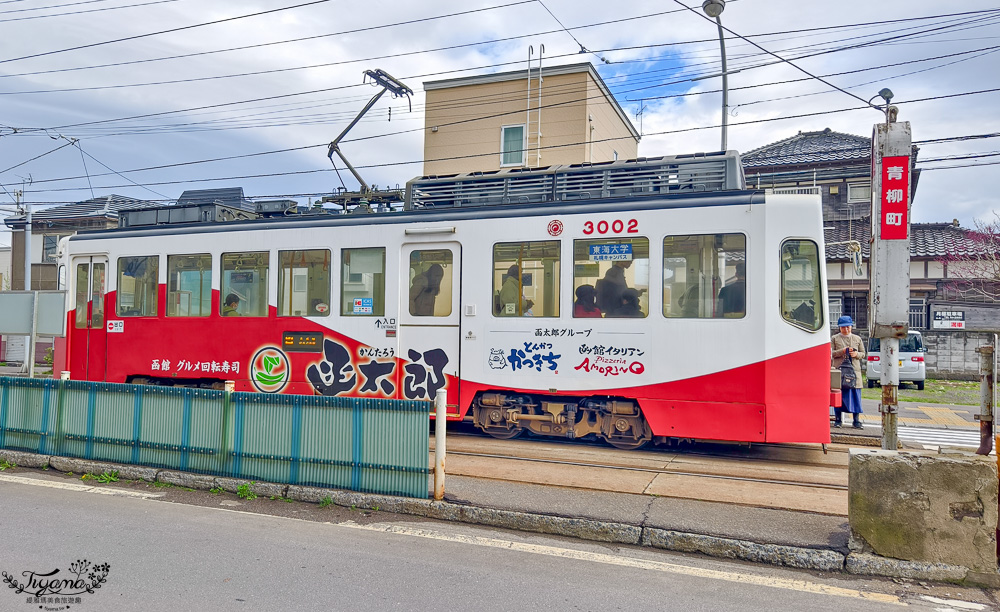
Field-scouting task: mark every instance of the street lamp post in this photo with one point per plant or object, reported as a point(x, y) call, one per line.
point(714, 8)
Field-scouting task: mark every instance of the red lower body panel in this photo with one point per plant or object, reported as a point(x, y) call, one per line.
point(784, 399)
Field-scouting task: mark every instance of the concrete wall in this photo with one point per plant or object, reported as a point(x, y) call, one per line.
point(952, 354)
point(924, 507)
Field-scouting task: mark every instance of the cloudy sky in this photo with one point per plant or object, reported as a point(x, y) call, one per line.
point(148, 98)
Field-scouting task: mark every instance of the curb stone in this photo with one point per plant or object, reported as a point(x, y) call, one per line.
point(84, 466)
point(263, 489)
point(21, 459)
point(863, 564)
point(772, 554)
point(186, 479)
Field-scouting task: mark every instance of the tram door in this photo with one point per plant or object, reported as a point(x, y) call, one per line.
point(430, 312)
point(88, 340)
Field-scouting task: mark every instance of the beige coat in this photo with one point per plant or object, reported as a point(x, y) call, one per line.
point(839, 344)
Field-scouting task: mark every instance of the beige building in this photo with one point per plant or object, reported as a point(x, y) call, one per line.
point(505, 120)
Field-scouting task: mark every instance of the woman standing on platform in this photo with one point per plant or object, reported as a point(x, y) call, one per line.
point(848, 351)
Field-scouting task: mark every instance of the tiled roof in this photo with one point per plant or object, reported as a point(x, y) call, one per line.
point(105, 207)
point(926, 239)
point(810, 148)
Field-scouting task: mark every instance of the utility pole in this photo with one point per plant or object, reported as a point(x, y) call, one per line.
point(889, 308)
point(29, 348)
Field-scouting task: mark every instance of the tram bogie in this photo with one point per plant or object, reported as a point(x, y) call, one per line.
point(618, 422)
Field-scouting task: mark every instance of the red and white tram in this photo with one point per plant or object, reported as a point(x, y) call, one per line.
point(702, 310)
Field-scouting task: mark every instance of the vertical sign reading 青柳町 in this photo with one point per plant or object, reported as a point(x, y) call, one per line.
point(895, 194)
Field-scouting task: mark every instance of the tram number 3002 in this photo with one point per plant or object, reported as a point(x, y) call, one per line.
point(615, 227)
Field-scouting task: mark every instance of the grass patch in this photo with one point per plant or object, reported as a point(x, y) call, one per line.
point(244, 492)
point(958, 392)
point(7, 465)
point(108, 477)
point(287, 500)
point(217, 491)
point(326, 502)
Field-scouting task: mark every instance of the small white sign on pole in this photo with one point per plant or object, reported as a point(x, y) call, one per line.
point(19, 312)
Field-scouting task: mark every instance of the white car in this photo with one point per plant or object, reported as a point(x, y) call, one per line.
point(911, 360)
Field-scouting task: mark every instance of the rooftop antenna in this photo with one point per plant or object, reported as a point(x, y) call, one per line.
point(388, 83)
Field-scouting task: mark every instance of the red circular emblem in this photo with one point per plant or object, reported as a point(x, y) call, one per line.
point(555, 227)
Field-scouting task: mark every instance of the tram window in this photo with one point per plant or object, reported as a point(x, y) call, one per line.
point(615, 271)
point(304, 283)
point(801, 302)
point(244, 275)
point(97, 297)
point(362, 282)
point(704, 276)
point(82, 289)
point(189, 285)
point(431, 282)
point(526, 279)
point(138, 279)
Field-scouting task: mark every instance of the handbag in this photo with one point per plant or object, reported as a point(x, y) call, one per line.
point(848, 377)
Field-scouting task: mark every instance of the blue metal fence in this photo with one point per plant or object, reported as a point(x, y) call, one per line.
point(376, 446)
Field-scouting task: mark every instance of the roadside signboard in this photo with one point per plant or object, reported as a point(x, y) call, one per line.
point(17, 309)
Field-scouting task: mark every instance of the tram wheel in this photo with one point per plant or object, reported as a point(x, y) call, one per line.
point(504, 434)
point(630, 444)
point(629, 433)
point(492, 420)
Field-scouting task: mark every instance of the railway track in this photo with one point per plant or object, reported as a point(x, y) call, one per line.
point(733, 451)
point(613, 466)
point(787, 476)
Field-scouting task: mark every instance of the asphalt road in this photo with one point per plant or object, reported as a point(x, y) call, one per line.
point(168, 553)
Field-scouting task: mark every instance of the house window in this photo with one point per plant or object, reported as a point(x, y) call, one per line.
point(860, 192)
point(918, 313)
point(512, 145)
point(50, 247)
point(836, 309)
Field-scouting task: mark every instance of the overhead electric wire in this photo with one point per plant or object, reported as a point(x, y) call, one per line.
point(961, 166)
point(957, 138)
point(225, 104)
point(371, 59)
point(160, 32)
point(97, 10)
point(55, 6)
point(27, 161)
point(790, 63)
point(300, 39)
point(598, 24)
point(959, 156)
point(494, 153)
point(414, 162)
